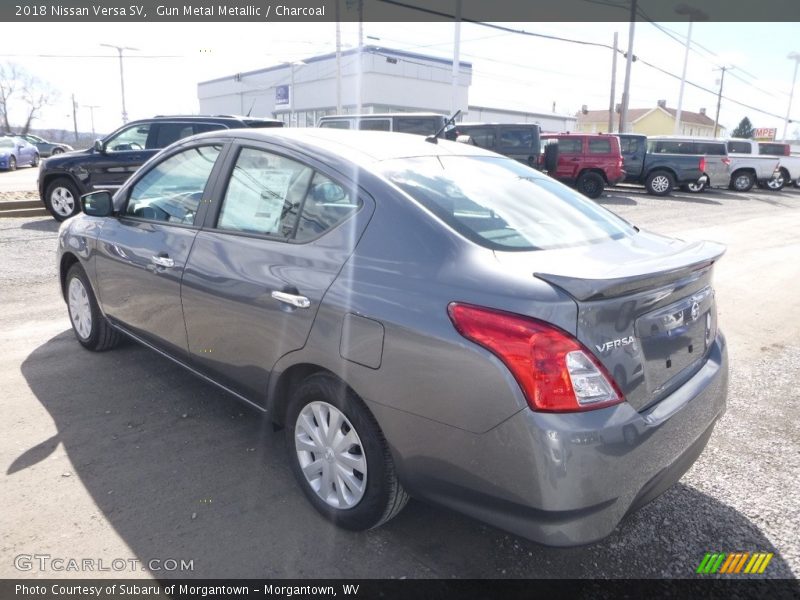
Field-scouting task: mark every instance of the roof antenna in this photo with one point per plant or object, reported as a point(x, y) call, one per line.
point(252, 106)
point(434, 139)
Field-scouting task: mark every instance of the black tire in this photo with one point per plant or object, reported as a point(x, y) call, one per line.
point(591, 184)
point(101, 335)
point(383, 496)
point(694, 188)
point(742, 181)
point(57, 151)
point(12, 163)
point(659, 183)
point(62, 199)
point(35, 162)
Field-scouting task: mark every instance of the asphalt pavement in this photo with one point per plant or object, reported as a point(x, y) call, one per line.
point(122, 455)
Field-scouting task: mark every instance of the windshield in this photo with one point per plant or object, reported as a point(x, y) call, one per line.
point(503, 205)
point(6, 142)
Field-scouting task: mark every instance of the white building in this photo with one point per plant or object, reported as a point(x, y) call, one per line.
point(373, 80)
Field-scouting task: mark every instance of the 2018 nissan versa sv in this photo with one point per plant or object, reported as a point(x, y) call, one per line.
point(424, 319)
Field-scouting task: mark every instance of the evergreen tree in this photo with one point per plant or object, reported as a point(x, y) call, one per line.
point(744, 129)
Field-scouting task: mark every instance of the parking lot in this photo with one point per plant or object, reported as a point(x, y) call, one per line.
point(123, 455)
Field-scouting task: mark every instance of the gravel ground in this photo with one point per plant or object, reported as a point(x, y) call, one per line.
point(133, 457)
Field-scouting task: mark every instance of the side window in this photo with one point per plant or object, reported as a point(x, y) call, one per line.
point(336, 124)
point(326, 205)
point(739, 147)
point(132, 138)
point(167, 133)
point(629, 145)
point(418, 125)
point(264, 194)
point(483, 137)
point(519, 137)
point(710, 148)
point(570, 145)
point(599, 146)
point(374, 125)
point(172, 190)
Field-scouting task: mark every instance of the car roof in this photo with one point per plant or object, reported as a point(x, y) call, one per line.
point(381, 115)
point(493, 123)
point(354, 145)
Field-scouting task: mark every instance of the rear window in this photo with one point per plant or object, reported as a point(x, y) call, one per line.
point(501, 204)
point(710, 148)
point(516, 137)
point(773, 149)
point(599, 146)
point(342, 124)
point(418, 125)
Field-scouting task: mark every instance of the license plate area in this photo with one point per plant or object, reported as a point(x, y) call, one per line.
point(676, 337)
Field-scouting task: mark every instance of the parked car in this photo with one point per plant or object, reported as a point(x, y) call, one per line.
point(107, 165)
point(44, 147)
point(16, 152)
point(519, 141)
point(423, 319)
point(589, 162)
point(419, 123)
point(789, 165)
point(662, 163)
point(747, 166)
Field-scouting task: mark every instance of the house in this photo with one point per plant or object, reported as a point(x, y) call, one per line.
point(659, 120)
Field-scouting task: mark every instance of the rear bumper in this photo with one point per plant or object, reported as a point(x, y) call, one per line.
point(569, 479)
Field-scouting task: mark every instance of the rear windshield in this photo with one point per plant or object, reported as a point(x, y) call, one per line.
point(772, 149)
point(503, 205)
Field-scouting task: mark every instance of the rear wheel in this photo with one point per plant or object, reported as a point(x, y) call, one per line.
point(695, 187)
point(35, 162)
point(591, 184)
point(61, 199)
point(742, 181)
point(777, 183)
point(58, 151)
point(88, 323)
point(659, 183)
point(339, 455)
point(12, 163)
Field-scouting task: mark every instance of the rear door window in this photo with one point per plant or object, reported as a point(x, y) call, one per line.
point(570, 145)
point(739, 147)
point(483, 137)
point(599, 146)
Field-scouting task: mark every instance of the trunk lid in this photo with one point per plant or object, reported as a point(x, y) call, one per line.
point(646, 308)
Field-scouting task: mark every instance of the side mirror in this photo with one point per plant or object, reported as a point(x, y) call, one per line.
point(98, 204)
point(99, 146)
point(465, 139)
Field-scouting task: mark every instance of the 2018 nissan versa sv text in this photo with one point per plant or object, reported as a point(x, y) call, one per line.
point(424, 319)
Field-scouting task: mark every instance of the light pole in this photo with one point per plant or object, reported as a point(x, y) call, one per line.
point(795, 56)
point(121, 76)
point(626, 89)
point(719, 97)
point(694, 14)
point(292, 121)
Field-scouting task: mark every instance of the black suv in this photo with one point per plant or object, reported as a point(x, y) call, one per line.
point(519, 141)
point(64, 179)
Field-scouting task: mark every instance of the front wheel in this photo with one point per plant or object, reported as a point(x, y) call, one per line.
point(88, 323)
point(659, 183)
point(591, 184)
point(61, 199)
point(695, 187)
point(777, 183)
point(35, 162)
point(12, 163)
point(340, 457)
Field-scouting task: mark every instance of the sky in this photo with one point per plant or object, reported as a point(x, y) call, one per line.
point(510, 70)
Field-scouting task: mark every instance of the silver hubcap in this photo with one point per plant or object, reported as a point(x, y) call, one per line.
point(660, 183)
point(695, 187)
point(331, 455)
point(63, 201)
point(742, 181)
point(775, 183)
point(80, 311)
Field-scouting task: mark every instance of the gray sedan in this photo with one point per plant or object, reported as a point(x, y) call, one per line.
point(424, 318)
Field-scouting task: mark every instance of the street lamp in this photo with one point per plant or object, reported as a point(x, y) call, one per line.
point(694, 14)
point(121, 76)
point(292, 122)
point(795, 56)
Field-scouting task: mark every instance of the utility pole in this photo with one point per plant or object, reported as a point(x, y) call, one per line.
point(795, 56)
point(91, 116)
point(623, 116)
point(456, 59)
point(338, 62)
point(719, 97)
point(75, 117)
point(119, 49)
point(613, 85)
point(694, 14)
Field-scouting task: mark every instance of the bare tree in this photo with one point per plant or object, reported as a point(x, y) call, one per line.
point(20, 88)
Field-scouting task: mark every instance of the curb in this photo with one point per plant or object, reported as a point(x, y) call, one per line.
point(23, 208)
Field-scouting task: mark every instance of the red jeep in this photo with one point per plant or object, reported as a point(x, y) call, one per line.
point(587, 161)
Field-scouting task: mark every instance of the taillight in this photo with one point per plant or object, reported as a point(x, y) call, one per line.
point(787, 149)
point(702, 165)
point(726, 161)
point(555, 371)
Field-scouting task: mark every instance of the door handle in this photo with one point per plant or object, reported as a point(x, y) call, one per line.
point(291, 299)
point(162, 261)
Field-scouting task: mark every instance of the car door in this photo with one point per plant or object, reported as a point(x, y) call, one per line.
point(283, 228)
point(123, 153)
point(633, 151)
point(141, 254)
point(570, 157)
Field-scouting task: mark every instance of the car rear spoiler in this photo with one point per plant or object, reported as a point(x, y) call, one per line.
point(639, 275)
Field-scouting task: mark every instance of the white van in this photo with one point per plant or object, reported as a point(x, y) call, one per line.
point(417, 123)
